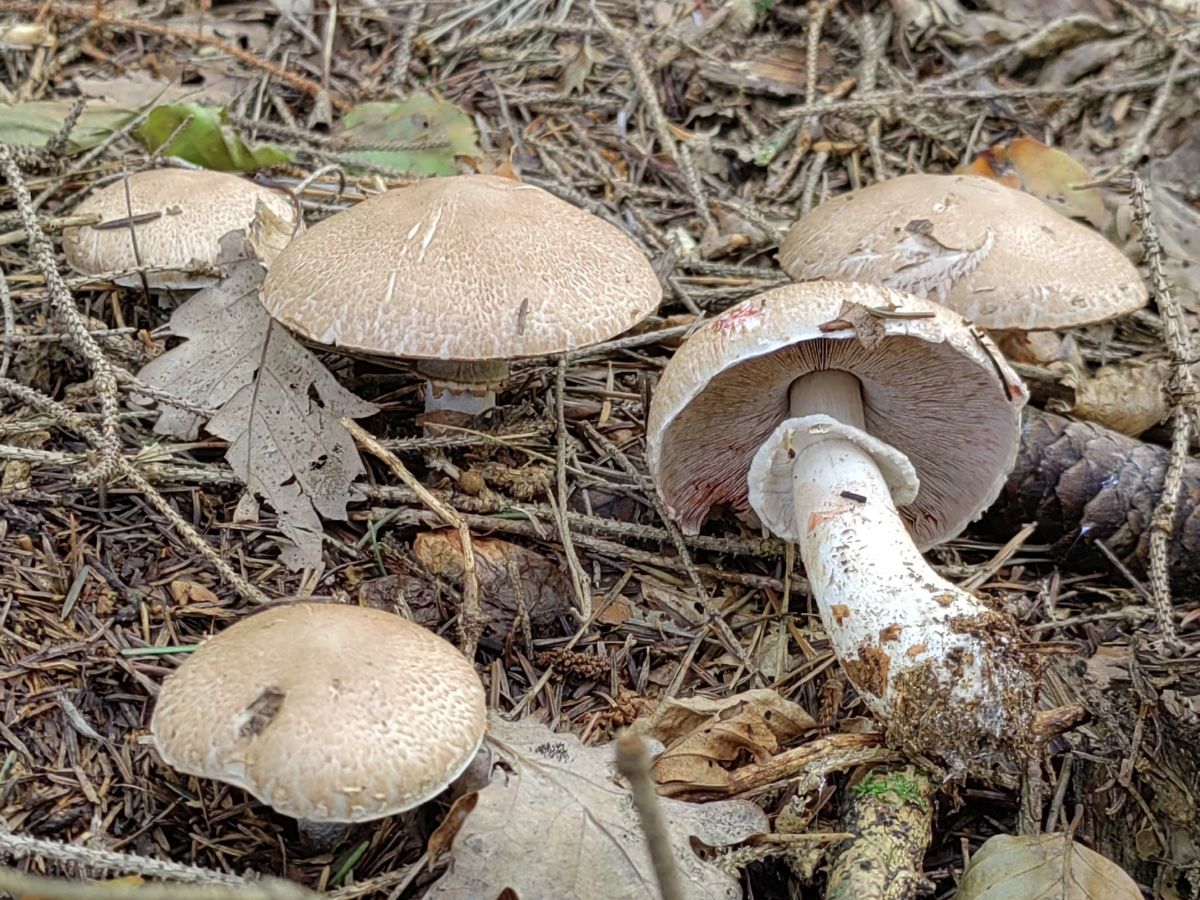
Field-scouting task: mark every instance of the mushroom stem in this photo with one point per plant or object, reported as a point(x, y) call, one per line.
point(460, 385)
point(931, 660)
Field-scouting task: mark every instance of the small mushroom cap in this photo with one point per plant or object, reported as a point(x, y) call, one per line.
point(932, 387)
point(1000, 257)
point(466, 267)
point(197, 209)
point(325, 712)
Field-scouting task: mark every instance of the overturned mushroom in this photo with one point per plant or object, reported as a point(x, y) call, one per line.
point(461, 275)
point(1000, 257)
point(327, 713)
point(171, 222)
point(864, 425)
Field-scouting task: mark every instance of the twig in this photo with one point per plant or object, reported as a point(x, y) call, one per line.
point(471, 620)
point(57, 145)
point(583, 590)
point(19, 884)
point(1136, 149)
point(890, 813)
point(65, 417)
point(633, 761)
point(679, 150)
point(76, 326)
point(714, 617)
point(17, 846)
point(1186, 416)
point(10, 325)
point(97, 17)
point(924, 99)
point(403, 61)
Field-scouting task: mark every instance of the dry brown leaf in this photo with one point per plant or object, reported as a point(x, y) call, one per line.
point(582, 57)
point(279, 408)
point(184, 592)
point(1047, 173)
point(138, 88)
point(556, 821)
point(1129, 397)
point(707, 737)
point(544, 588)
point(676, 717)
point(1050, 866)
point(1178, 225)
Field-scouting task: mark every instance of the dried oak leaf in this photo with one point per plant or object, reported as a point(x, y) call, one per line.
point(278, 407)
point(707, 737)
point(556, 821)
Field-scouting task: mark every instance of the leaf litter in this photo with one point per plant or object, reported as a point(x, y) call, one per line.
point(556, 821)
point(277, 405)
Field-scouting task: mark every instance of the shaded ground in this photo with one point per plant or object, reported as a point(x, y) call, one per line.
point(704, 131)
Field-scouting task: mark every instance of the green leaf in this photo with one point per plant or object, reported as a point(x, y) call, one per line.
point(34, 124)
point(421, 117)
point(208, 140)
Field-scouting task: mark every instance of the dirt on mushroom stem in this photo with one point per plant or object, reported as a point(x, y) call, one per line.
point(945, 674)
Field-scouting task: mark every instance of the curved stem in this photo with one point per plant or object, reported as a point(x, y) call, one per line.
point(933, 662)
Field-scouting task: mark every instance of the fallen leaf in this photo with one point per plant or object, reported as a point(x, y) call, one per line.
point(555, 821)
point(1129, 397)
point(1045, 172)
point(420, 117)
point(1178, 223)
point(1011, 867)
point(208, 140)
point(279, 408)
point(139, 88)
point(676, 717)
point(34, 124)
point(705, 738)
point(184, 592)
point(869, 330)
point(268, 233)
point(582, 57)
point(502, 568)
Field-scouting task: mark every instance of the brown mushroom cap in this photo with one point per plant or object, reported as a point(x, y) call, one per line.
point(932, 388)
point(197, 209)
point(467, 267)
point(325, 712)
point(1000, 257)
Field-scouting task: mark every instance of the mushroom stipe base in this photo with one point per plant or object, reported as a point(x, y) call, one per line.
point(943, 671)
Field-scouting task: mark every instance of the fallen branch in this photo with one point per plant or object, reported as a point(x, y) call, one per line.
point(890, 813)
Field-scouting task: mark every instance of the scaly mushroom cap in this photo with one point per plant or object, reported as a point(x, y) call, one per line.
point(467, 267)
point(933, 388)
point(196, 209)
point(1000, 257)
point(325, 712)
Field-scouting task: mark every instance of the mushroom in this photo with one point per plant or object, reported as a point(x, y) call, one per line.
point(864, 425)
point(461, 274)
point(327, 713)
point(173, 223)
point(999, 256)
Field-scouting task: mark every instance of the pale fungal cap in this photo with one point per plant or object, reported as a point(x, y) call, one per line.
point(325, 712)
point(1000, 257)
point(195, 210)
point(933, 388)
point(466, 267)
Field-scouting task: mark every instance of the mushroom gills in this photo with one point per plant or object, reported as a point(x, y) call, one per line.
point(918, 649)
